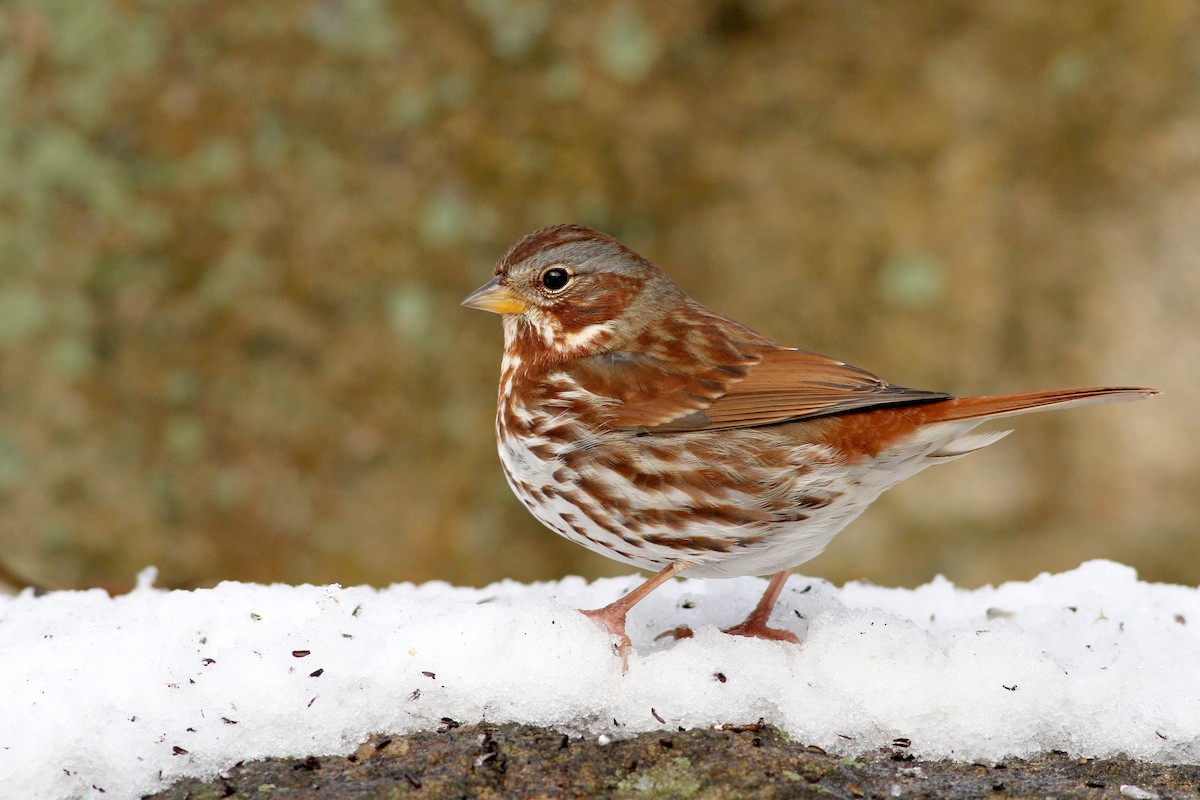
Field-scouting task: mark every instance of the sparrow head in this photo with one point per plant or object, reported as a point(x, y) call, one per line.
point(570, 291)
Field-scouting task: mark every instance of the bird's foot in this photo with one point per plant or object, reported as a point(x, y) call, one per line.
point(612, 619)
point(758, 629)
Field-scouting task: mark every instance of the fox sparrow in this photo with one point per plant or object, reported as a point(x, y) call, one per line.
point(650, 429)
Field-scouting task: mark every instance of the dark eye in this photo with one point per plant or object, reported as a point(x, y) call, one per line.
point(555, 279)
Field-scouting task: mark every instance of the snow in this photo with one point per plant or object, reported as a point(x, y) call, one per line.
point(125, 694)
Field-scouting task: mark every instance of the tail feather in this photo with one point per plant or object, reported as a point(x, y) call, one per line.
point(1012, 404)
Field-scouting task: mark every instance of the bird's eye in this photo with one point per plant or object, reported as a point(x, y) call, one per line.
point(555, 279)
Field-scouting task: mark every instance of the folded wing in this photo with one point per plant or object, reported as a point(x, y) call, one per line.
point(718, 381)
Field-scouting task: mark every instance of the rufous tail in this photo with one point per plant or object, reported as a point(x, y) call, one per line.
point(1008, 405)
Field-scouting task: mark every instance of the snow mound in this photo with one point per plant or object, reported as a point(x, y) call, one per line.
point(126, 694)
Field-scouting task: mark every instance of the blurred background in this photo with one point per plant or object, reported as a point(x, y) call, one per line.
point(234, 236)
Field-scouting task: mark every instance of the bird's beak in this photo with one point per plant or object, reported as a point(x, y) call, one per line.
point(495, 298)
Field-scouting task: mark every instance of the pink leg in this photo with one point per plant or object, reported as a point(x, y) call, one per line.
point(612, 616)
point(756, 624)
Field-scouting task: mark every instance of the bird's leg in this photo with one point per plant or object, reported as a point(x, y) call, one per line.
point(612, 616)
point(756, 624)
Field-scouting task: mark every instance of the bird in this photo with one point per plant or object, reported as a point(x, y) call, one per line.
point(637, 422)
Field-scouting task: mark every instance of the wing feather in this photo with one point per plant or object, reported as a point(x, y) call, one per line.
point(789, 385)
point(762, 384)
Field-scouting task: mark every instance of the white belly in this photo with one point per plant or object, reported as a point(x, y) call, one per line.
point(620, 496)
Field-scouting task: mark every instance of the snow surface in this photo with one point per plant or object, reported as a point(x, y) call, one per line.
point(126, 694)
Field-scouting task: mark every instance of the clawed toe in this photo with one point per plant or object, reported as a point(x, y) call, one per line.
point(614, 623)
point(754, 630)
point(760, 630)
point(682, 632)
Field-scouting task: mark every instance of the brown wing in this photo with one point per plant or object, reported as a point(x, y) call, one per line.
point(755, 383)
point(796, 384)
